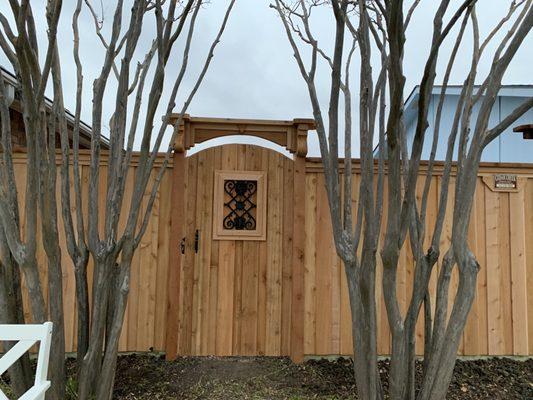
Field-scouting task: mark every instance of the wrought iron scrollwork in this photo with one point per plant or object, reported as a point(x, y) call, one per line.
point(241, 206)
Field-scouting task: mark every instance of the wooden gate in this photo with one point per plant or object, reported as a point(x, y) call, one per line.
point(237, 254)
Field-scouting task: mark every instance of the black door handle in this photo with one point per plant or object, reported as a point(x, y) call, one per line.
point(196, 241)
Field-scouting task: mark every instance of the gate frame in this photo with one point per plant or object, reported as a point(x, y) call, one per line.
point(292, 135)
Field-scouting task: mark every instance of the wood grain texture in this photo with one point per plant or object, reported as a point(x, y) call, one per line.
point(269, 297)
point(528, 189)
point(297, 264)
point(247, 283)
point(518, 272)
point(493, 327)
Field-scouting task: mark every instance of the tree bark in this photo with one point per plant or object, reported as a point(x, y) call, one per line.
point(107, 374)
point(55, 288)
point(91, 364)
point(82, 302)
point(361, 289)
point(446, 340)
point(12, 312)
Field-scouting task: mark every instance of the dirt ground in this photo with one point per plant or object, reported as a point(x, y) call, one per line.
point(253, 378)
point(150, 377)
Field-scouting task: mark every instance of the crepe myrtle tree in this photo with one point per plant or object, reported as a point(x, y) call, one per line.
point(37, 64)
point(370, 39)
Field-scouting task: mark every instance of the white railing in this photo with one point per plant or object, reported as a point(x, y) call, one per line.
point(27, 336)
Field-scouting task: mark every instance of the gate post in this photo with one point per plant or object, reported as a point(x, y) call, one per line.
point(175, 255)
point(298, 251)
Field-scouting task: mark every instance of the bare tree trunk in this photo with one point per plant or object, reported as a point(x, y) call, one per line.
point(108, 371)
point(361, 290)
point(382, 25)
point(114, 286)
point(12, 309)
point(420, 297)
point(428, 324)
point(91, 365)
point(107, 374)
point(398, 373)
point(98, 327)
point(35, 292)
point(113, 253)
point(55, 286)
point(446, 339)
point(12, 312)
point(50, 238)
point(82, 302)
point(465, 296)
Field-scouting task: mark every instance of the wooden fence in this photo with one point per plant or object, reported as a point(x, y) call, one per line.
point(501, 320)
point(255, 318)
point(146, 314)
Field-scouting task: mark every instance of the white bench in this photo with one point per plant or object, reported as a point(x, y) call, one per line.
point(27, 336)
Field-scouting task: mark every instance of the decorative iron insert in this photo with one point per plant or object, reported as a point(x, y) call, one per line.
point(241, 205)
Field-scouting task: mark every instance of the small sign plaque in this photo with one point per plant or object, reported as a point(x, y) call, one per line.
point(505, 181)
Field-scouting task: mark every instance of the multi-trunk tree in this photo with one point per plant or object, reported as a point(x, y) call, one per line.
point(135, 100)
point(369, 39)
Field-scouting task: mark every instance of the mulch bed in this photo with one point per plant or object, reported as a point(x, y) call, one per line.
point(151, 377)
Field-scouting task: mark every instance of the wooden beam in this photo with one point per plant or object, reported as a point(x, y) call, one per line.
point(298, 262)
point(176, 228)
point(194, 130)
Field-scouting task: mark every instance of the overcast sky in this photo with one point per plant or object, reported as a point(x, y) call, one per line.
point(254, 74)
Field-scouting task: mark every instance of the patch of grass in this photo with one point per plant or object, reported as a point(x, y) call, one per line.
point(4, 387)
point(71, 391)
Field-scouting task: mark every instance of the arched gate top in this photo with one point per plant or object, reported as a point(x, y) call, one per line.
point(289, 134)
